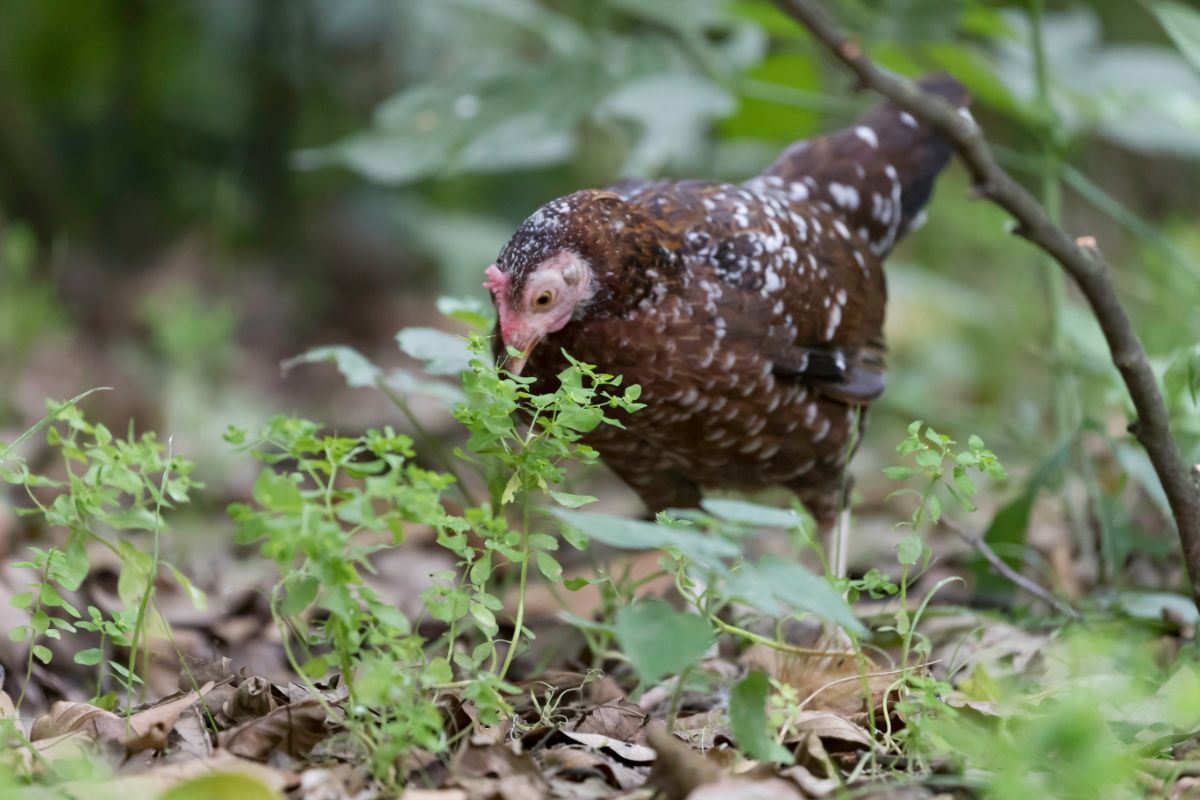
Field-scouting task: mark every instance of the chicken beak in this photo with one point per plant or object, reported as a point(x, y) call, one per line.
point(515, 365)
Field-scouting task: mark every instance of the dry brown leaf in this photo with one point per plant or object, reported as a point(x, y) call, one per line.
point(496, 771)
point(679, 769)
point(619, 720)
point(747, 789)
point(810, 784)
point(826, 683)
point(295, 729)
point(166, 713)
point(251, 700)
point(433, 794)
point(706, 730)
point(626, 751)
point(834, 730)
point(7, 709)
point(65, 717)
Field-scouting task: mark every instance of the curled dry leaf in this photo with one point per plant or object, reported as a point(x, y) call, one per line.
point(251, 700)
point(836, 732)
point(166, 713)
point(827, 684)
point(294, 729)
point(65, 717)
point(619, 720)
point(626, 751)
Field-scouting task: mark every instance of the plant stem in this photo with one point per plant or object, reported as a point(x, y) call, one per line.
point(519, 622)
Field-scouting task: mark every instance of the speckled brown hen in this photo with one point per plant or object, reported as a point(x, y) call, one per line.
point(750, 314)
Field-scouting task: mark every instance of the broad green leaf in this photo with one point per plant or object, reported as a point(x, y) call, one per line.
point(775, 586)
point(571, 500)
point(437, 671)
point(748, 719)
point(908, 551)
point(298, 595)
point(636, 535)
point(42, 653)
point(198, 598)
point(90, 657)
point(276, 493)
point(443, 353)
point(549, 566)
point(661, 642)
point(468, 310)
point(356, 368)
point(1182, 24)
point(746, 513)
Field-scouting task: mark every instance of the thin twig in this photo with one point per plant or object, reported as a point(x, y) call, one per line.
point(1000, 565)
point(1079, 258)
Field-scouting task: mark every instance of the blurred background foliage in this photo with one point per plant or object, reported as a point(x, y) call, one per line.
point(192, 191)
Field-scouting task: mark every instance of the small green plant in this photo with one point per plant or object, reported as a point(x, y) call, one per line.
point(324, 504)
point(940, 471)
point(112, 493)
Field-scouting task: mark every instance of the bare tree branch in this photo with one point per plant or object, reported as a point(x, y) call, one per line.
point(1078, 257)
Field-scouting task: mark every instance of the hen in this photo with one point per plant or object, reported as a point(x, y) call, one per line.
point(751, 314)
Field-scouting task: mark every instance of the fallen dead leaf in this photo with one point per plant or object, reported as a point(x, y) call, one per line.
point(626, 751)
point(835, 731)
point(679, 769)
point(167, 712)
point(66, 717)
point(433, 794)
point(295, 729)
point(618, 720)
point(251, 700)
point(496, 771)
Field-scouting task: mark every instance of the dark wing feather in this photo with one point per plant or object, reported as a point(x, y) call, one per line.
point(791, 279)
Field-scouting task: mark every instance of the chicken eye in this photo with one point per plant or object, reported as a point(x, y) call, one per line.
point(544, 299)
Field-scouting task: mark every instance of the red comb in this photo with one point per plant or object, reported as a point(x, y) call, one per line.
point(494, 279)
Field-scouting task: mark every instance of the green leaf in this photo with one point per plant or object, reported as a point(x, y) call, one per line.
point(748, 719)
point(468, 310)
point(636, 535)
point(90, 657)
point(46, 420)
point(198, 598)
point(443, 353)
point(933, 507)
point(42, 653)
point(898, 473)
point(356, 368)
point(775, 586)
point(549, 566)
point(571, 500)
point(437, 671)
point(276, 493)
point(298, 595)
point(908, 551)
point(660, 641)
point(755, 514)
point(1182, 24)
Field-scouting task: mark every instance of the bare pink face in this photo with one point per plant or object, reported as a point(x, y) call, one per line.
point(546, 303)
